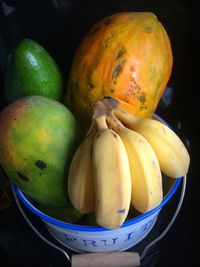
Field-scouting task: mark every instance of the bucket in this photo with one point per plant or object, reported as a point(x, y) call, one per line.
point(81, 238)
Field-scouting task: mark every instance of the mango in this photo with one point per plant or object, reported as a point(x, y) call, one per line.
point(38, 137)
point(89, 219)
point(67, 214)
point(32, 70)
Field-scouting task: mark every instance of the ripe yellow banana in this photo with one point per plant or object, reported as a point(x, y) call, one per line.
point(80, 178)
point(172, 154)
point(112, 177)
point(147, 192)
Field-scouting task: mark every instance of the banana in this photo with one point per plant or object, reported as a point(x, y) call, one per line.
point(80, 177)
point(111, 175)
point(172, 154)
point(147, 192)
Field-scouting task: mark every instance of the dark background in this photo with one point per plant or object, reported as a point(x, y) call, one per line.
point(59, 26)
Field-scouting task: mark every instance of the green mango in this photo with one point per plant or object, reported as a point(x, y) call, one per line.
point(38, 138)
point(67, 214)
point(32, 71)
point(89, 219)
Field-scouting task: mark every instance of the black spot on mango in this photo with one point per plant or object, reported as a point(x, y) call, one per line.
point(22, 176)
point(40, 164)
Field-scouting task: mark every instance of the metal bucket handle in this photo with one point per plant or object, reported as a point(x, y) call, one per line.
point(108, 259)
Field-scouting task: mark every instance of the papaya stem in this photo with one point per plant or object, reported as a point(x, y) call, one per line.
point(99, 109)
point(110, 102)
point(113, 106)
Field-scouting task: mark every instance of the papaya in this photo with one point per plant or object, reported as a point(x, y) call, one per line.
point(37, 140)
point(127, 56)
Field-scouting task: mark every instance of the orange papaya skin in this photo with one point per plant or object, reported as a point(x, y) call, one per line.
point(127, 56)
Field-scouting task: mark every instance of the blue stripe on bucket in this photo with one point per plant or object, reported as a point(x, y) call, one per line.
point(65, 225)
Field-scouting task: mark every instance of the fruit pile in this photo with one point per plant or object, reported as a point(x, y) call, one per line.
point(117, 78)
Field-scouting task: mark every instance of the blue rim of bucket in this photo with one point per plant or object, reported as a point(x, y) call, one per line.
point(86, 228)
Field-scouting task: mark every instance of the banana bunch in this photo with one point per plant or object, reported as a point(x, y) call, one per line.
point(146, 175)
point(120, 163)
point(172, 154)
point(80, 177)
point(99, 177)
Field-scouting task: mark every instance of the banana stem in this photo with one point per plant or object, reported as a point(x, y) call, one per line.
point(110, 102)
point(114, 123)
point(100, 110)
point(127, 118)
point(113, 105)
point(101, 122)
point(92, 128)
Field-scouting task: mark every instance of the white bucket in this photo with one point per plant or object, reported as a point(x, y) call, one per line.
point(82, 239)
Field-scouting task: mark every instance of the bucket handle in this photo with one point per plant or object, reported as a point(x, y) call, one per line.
point(108, 259)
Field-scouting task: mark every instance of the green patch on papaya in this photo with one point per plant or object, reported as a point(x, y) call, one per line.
point(90, 85)
point(121, 52)
point(157, 90)
point(107, 42)
point(117, 70)
point(95, 29)
point(148, 28)
point(142, 98)
point(143, 108)
point(74, 89)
